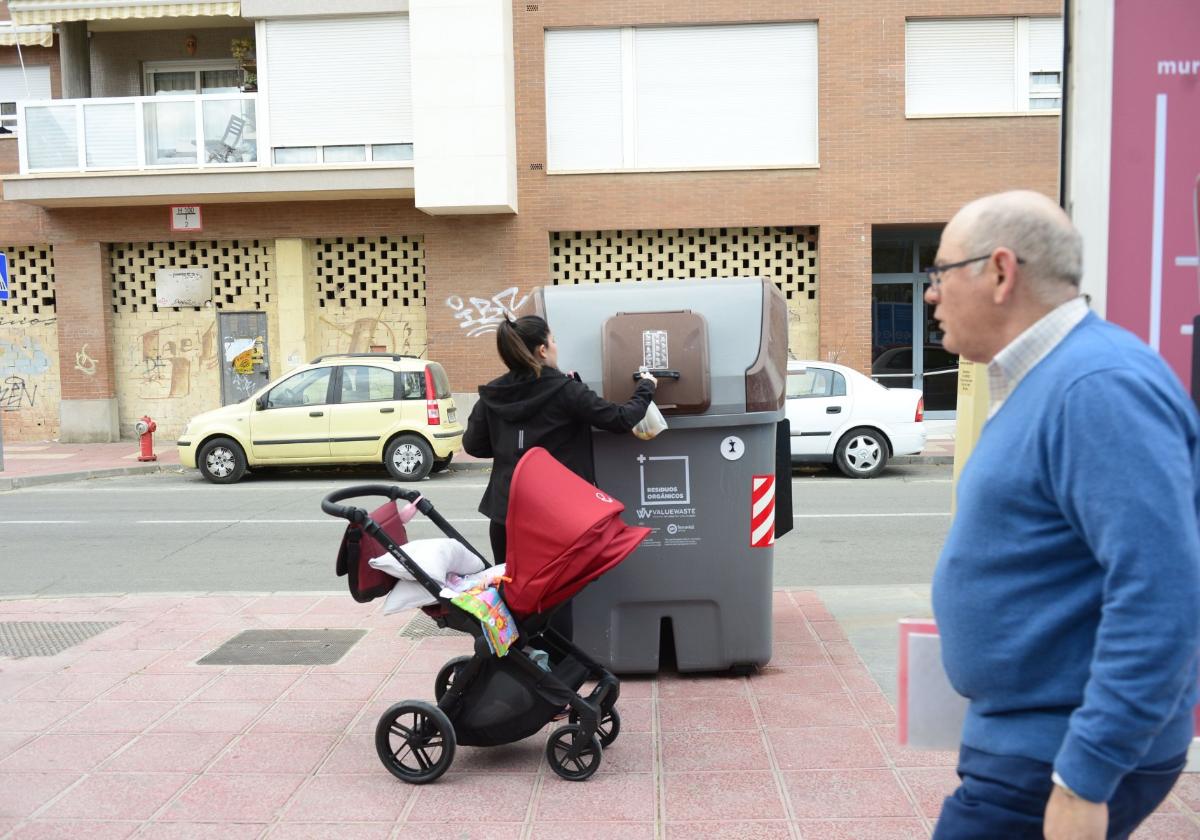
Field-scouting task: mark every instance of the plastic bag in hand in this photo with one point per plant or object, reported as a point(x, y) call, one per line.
point(652, 424)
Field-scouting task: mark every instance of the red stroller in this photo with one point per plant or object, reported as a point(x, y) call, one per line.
point(563, 533)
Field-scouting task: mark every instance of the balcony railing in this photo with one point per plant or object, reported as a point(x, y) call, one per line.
point(139, 133)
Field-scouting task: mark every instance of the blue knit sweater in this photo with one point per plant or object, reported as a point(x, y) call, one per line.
point(1068, 591)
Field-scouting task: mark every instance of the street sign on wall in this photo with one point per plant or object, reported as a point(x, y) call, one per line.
point(5, 290)
point(1152, 247)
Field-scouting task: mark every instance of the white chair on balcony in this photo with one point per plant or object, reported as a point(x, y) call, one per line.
point(227, 148)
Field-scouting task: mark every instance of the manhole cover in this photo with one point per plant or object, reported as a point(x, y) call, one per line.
point(284, 647)
point(422, 625)
point(46, 638)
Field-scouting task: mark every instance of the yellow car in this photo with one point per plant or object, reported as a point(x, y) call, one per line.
point(351, 408)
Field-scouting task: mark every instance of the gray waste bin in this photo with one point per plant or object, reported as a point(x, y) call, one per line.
point(715, 487)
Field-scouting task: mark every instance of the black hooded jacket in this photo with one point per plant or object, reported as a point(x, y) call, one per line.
point(554, 411)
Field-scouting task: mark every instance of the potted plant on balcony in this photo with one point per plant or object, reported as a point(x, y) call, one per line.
point(242, 49)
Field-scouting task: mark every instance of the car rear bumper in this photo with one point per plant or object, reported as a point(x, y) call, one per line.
point(908, 438)
point(446, 442)
point(187, 453)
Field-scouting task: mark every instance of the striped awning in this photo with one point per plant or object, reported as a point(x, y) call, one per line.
point(25, 12)
point(37, 35)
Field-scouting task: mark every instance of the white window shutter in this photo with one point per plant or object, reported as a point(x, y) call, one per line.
point(1045, 45)
point(30, 85)
point(583, 99)
point(960, 66)
point(741, 95)
point(339, 81)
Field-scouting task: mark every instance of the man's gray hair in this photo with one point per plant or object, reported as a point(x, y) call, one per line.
point(1049, 245)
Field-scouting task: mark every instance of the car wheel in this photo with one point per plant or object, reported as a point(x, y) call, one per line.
point(442, 464)
point(222, 461)
point(862, 453)
point(408, 458)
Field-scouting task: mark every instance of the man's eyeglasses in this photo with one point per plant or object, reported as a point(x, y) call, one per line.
point(936, 270)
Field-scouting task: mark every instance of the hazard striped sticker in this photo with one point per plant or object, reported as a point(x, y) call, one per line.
point(762, 511)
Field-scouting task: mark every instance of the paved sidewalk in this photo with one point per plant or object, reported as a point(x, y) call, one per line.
point(124, 735)
point(46, 462)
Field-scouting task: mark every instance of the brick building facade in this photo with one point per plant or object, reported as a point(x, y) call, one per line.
point(82, 330)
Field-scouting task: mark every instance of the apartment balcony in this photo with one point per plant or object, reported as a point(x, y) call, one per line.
point(185, 149)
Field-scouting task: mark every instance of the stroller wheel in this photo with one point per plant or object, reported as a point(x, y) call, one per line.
point(447, 675)
point(609, 728)
point(415, 742)
point(571, 756)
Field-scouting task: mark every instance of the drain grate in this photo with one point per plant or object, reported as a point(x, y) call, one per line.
point(284, 647)
point(46, 638)
point(422, 626)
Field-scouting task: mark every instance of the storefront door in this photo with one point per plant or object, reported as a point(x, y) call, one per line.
point(906, 344)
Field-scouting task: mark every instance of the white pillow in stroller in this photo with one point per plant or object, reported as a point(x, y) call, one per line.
point(438, 557)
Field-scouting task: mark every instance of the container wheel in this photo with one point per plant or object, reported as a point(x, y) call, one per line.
point(415, 742)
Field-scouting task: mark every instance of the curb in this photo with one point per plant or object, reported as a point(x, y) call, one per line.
point(83, 475)
point(922, 459)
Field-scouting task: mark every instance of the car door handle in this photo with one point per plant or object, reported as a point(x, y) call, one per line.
point(833, 409)
point(316, 414)
point(386, 410)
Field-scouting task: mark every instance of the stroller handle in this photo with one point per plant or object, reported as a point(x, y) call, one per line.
point(357, 515)
point(363, 519)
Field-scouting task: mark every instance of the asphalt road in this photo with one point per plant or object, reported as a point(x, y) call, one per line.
point(178, 533)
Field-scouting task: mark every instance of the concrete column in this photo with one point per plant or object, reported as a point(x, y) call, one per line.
point(75, 54)
point(297, 306)
point(83, 299)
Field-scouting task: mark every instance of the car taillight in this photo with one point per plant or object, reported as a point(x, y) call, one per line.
point(920, 415)
point(432, 411)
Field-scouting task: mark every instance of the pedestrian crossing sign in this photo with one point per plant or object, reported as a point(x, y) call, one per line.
point(4, 293)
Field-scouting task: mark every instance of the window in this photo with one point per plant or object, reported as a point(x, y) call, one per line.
point(339, 81)
point(412, 384)
point(377, 153)
point(361, 383)
point(310, 387)
point(681, 97)
point(187, 78)
point(816, 382)
point(973, 66)
point(17, 86)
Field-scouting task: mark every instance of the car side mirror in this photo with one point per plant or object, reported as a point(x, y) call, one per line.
point(261, 403)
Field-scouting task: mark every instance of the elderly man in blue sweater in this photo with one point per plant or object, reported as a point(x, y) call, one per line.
point(1068, 591)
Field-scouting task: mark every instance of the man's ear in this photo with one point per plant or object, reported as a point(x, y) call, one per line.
point(1004, 264)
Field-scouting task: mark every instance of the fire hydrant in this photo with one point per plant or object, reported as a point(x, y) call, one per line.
point(145, 428)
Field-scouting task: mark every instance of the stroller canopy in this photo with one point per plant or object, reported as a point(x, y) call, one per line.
point(563, 533)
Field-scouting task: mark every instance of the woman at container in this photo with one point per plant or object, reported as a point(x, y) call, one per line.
point(536, 404)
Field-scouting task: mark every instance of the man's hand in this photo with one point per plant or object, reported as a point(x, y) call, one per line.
point(1070, 818)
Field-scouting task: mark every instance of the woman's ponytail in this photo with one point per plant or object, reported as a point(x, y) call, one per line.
point(517, 342)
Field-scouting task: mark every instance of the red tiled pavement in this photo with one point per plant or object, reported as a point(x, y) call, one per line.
point(110, 739)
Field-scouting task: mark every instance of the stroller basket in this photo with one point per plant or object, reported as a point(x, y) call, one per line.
point(484, 699)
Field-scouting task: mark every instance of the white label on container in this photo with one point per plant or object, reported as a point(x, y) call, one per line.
point(654, 349)
point(733, 448)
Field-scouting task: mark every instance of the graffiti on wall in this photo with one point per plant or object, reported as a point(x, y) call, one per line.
point(168, 357)
point(29, 377)
point(26, 321)
point(375, 334)
point(84, 363)
point(477, 316)
point(23, 356)
point(16, 394)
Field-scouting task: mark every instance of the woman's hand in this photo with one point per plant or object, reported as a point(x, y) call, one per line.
point(647, 375)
